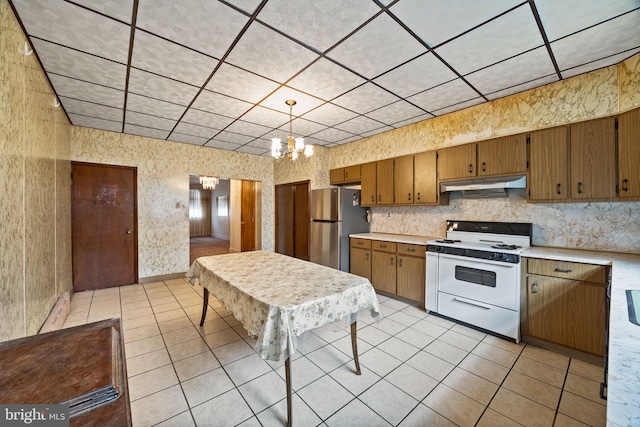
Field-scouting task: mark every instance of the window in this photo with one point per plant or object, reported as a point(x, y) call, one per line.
point(223, 206)
point(195, 205)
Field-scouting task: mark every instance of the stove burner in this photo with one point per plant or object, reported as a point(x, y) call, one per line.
point(447, 241)
point(507, 247)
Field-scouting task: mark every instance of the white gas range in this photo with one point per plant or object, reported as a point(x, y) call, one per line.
point(474, 274)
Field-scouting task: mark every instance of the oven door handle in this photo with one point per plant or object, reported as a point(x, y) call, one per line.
point(470, 302)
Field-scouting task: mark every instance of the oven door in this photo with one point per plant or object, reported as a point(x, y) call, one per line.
point(490, 282)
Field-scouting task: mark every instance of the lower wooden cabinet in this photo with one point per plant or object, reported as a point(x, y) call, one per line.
point(360, 260)
point(411, 278)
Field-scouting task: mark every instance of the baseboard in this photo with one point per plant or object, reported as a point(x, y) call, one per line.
point(58, 314)
point(560, 349)
point(152, 279)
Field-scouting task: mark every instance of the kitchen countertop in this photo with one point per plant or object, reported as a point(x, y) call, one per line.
point(397, 238)
point(623, 393)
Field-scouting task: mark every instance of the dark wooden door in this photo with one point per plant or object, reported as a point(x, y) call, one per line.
point(293, 220)
point(248, 217)
point(104, 232)
point(302, 221)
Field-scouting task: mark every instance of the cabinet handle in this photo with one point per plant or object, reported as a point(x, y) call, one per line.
point(534, 288)
point(379, 197)
point(383, 246)
point(470, 168)
point(411, 250)
point(391, 261)
point(360, 243)
point(419, 195)
point(484, 167)
point(625, 186)
point(562, 270)
point(366, 257)
point(373, 198)
point(346, 175)
point(409, 195)
point(558, 189)
point(579, 188)
point(400, 262)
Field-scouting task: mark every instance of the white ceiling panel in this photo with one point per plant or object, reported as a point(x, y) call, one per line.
point(119, 9)
point(524, 86)
point(600, 63)
point(233, 138)
point(241, 84)
point(195, 27)
point(523, 68)
point(318, 24)
point(253, 150)
point(584, 13)
point(81, 66)
point(143, 131)
point(266, 117)
point(157, 55)
point(359, 125)
point(142, 104)
point(246, 128)
point(413, 120)
point(332, 135)
point(96, 123)
point(202, 118)
point(261, 143)
point(74, 106)
point(303, 127)
point(422, 73)
point(220, 104)
point(396, 112)
point(598, 42)
point(365, 98)
point(223, 145)
point(326, 80)
point(329, 115)
point(274, 51)
point(459, 106)
point(304, 103)
point(84, 91)
point(149, 121)
point(487, 45)
point(379, 46)
point(195, 130)
point(69, 25)
point(443, 96)
point(248, 6)
point(436, 21)
point(189, 139)
point(375, 131)
point(154, 86)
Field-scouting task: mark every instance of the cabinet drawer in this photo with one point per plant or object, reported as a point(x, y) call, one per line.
point(378, 245)
point(568, 270)
point(360, 243)
point(415, 250)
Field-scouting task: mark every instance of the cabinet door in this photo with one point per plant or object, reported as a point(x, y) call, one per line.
point(629, 154)
point(384, 182)
point(593, 159)
point(503, 156)
point(368, 185)
point(549, 163)
point(360, 262)
point(403, 180)
point(336, 176)
point(383, 271)
point(352, 174)
point(567, 312)
point(411, 278)
point(425, 180)
point(457, 162)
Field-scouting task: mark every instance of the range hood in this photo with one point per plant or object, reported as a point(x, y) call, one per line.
point(485, 188)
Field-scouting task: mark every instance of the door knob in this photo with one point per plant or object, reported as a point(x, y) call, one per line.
point(129, 231)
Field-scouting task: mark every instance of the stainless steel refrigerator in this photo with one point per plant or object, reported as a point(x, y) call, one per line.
point(335, 213)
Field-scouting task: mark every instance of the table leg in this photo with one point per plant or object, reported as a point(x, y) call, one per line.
point(287, 374)
point(204, 305)
point(354, 347)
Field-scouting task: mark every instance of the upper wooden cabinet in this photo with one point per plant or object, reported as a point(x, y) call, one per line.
point(368, 184)
point(629, 155)
point(457, 162)
point(403, 180)
point(377, 183)
point(592, 155)
point(425, 180)
point(346, 175)
point(503, 156)
point(549, 163)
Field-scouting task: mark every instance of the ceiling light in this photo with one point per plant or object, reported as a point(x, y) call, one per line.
point(296, 150)
point(209, 182)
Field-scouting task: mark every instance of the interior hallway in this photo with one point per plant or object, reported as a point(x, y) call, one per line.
point(205, 246)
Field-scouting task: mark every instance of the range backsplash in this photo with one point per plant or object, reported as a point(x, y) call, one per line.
point(594, 226)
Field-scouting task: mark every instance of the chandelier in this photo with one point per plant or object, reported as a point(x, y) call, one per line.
point(295, 146)
point(209, 182)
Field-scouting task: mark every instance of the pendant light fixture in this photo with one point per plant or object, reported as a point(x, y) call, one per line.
point(295, 149)
point(209, 182)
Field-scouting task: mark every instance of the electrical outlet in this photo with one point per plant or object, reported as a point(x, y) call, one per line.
point(388, 214)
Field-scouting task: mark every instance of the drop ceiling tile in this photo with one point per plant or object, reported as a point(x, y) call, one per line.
point(71, 63)
point(253, 150)
point(318, 24)
point(435, 21)
point(317, 142)
point(246, 128)
point(351, 139)
point(142, 104)
point(329, 115)
point(365, 98)
point(266, 117)
point(303, 127)
point(195, 130)
point(523, 68)
point(263, 144)
point(189, 139)
point(277, 57)
point(202, 118)
point(377, 131)
point(304, 102)
point(415, 76)
point(74, 106)
point(92, 122)
point(119, 9)
point(443, 96)
point(459, 106)
point(148, 132)
point(154, 86)
point(395, 112)
point(332, 135)
point(584, 13)
point(359, 125)
point(223, 145)
point(149, 121)
point(234, 138)
point(381, 45)
point(491, 42)
point(220, 104)
point(522, 87)
point(162, 57)
point(206, 26)
point(326, 80)
point(600, 63)
point(65, 86)
point(241, 84)
point(249, 6)
point(597, 42)
point(413, 120)
point(90, 32)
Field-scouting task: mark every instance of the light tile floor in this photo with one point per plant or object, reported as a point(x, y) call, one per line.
point(417, 369)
